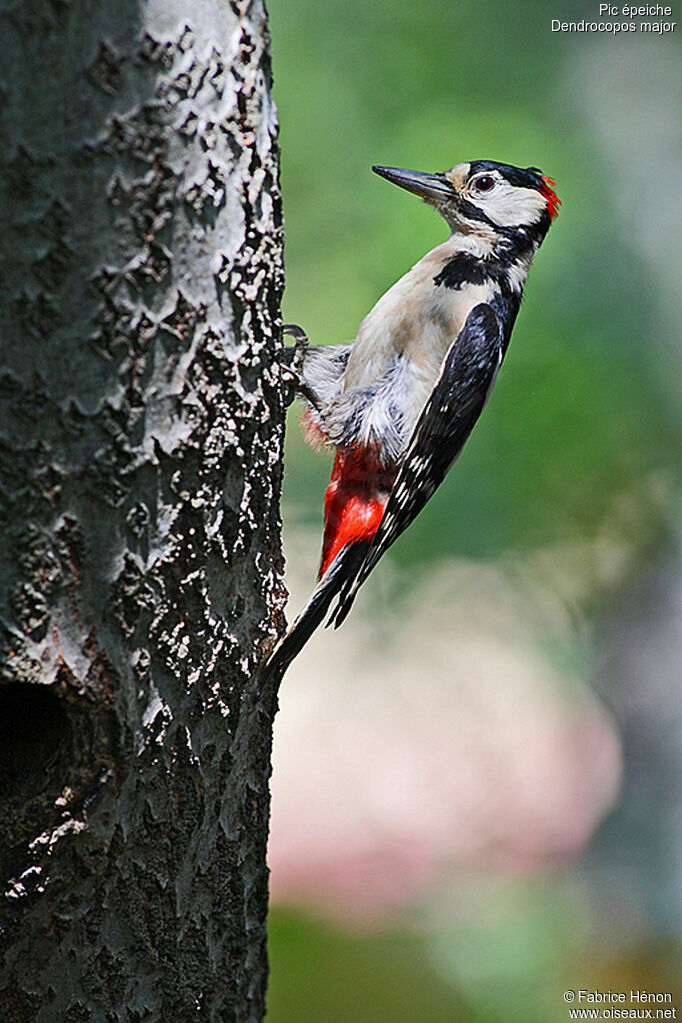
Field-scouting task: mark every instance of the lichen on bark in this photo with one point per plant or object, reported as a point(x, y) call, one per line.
point(140, 452)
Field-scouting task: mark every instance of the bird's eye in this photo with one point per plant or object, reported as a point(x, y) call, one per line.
point(484, 183)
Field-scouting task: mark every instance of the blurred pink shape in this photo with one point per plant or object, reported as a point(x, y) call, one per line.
point(449, 742)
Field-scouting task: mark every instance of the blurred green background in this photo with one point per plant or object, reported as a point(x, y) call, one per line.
point(568, 490)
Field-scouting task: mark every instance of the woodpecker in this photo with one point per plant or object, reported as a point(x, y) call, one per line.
point(398, 403)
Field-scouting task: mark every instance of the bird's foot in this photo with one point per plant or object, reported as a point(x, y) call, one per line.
point(297, 352)
point(291, 365)
point(293, 359)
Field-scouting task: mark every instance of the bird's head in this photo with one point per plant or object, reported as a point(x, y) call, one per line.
point(485, 198)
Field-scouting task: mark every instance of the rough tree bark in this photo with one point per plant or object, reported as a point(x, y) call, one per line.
point(140, 569)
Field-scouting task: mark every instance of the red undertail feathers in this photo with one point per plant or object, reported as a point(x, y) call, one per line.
point(354, 502)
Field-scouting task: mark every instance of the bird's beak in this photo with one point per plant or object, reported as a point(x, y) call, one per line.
point(434, 187)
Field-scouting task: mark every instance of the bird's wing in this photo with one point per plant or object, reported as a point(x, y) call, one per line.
point(457, 400)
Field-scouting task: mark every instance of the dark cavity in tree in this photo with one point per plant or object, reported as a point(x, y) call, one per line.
point(34, 728)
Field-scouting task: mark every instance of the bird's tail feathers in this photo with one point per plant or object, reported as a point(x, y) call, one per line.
point(347, 595)
point(336, 580)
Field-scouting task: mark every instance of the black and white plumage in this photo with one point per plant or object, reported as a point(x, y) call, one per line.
point(400, 402)
point(449, 416)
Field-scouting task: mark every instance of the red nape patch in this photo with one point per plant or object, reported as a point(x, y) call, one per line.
point(355, 501)
point(553, 200)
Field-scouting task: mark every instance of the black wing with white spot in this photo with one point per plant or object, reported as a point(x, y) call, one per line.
point(466, 379)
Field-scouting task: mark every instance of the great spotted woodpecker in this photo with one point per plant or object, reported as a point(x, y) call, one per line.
point(399, 402)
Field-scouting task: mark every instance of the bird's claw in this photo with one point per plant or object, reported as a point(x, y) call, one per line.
point(299, 348)
point(293, 330)
point(295, 359)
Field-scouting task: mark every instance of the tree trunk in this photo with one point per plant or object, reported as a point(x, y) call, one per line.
point(140, 453)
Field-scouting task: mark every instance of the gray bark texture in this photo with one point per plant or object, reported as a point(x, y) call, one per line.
point(141, 426)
